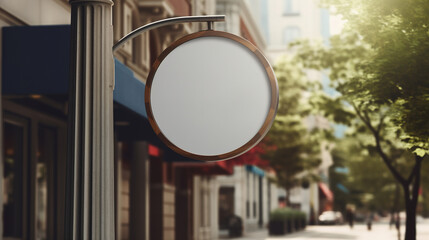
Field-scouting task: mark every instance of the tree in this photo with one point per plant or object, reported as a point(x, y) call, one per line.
point(397, 72)
point(292, 150)
point(370, 185)
point(380, 65)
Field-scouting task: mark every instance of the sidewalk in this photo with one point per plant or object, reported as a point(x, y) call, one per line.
point(342, 232)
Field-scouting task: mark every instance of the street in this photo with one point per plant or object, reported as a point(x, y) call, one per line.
point(379, 231)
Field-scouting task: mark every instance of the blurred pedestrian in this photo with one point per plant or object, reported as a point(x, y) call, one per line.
point(392, 220)
point(350, 216)
point(398, 222)
point(369, 219)
point(398, 225)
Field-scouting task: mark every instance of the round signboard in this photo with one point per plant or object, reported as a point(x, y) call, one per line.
point(211, 96)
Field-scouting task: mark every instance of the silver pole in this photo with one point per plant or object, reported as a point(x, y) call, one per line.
point(168, 21)
point(90, 176)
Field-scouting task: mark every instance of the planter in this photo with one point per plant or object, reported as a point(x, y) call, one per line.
point(297, 224)
point(286, 220)
point(290, 226)
point(277, 227)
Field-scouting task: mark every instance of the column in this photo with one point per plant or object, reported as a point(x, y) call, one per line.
point(90, 175)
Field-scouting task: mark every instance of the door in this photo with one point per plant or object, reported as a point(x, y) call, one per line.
point(226, 206)
point(15, 168)
point(34, 151)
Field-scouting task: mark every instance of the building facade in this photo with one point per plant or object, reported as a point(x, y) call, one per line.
point(248, 194)
point(287, 21)
point(158, 194)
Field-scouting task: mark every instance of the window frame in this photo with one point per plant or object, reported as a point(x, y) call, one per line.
point(56, 191)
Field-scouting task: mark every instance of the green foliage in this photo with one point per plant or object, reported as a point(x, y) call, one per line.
point(371, 186)
point(380, 65)
point(286, 214)
point(395, 69)
point(295, 147)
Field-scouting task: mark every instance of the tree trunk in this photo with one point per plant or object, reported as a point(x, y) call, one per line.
point(411, 200)
point(410, 224)
point(287, 199)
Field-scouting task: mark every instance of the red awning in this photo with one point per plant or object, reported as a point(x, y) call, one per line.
point(208, 168)
point(326, 191)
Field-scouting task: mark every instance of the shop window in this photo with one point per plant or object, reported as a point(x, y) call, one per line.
point(226, 206)
point(45, 184)
point(13, 184)
point(32, 189)
point(248, 209)
point(254, 209)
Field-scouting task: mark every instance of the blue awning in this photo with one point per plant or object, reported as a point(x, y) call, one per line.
point(129, 91)
point(255, 170)
point(36, 61)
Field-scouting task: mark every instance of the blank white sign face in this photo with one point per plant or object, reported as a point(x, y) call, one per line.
point(210, 97)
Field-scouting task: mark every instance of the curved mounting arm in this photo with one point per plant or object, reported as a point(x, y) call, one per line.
point(168, 21)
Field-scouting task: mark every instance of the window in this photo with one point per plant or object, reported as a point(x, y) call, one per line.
point(291, 7)
point(291, 34)
point(45, 183)
point(13, 180)
point(33, 175)
point(145, 57)
point(127, 27)
point(248, 195)
point(254, 195)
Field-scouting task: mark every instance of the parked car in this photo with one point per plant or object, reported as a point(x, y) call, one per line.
point(331, 217)
point(340, 218)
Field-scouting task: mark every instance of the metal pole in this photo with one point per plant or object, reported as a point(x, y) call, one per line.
point(169, 21)
point(89, 210)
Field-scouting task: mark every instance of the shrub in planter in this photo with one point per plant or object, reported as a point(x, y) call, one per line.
point(285, 220)
point(277, 227)
point(303, 220)
point(300, 220)
point(278, 224)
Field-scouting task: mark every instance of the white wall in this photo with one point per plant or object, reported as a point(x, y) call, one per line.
point(203, 205)
point(247, 190)
point(308, 21)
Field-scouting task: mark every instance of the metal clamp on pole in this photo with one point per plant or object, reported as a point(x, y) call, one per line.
point(169, 21)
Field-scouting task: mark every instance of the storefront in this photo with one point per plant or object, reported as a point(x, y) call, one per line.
point(34, 92)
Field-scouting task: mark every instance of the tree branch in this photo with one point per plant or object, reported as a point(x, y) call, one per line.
point(380, 124)
point(376, 133)
point(413, 172)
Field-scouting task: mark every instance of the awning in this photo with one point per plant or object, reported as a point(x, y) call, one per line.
point(36, 61)
point(255, 170)
point(342, 188)
point(207, 168)
point(326, 191)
